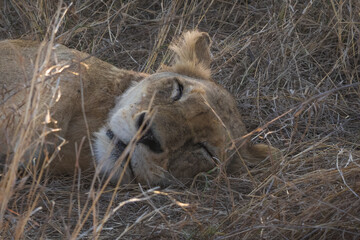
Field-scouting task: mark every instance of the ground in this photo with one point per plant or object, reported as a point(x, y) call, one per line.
point(293, 67)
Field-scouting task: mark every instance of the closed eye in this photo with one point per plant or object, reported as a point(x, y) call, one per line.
point(209, 154)
point(204, 147)
point(178, 91)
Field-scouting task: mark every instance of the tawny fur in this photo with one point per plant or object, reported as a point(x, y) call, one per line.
point(192, 55)
point(203, 123)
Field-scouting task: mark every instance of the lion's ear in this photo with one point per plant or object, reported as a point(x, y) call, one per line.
point(193, 47)
point(259, 152)
point(253, 155)
point(192, 55)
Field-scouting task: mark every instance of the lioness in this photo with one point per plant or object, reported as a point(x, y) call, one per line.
point(148, 128)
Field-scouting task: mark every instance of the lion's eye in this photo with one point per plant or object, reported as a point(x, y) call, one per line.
point(205, 147)
point(178, 91)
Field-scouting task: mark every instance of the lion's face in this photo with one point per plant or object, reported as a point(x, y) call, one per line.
point(176, 123)
point(170, 125)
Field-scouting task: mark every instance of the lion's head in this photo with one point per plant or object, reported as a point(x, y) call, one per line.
point(174, 123)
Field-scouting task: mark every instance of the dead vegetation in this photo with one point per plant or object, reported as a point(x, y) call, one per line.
point(294, 59)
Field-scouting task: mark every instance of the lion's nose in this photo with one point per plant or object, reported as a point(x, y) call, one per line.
point(148, 138)
point(140, 120)
point(151, 141)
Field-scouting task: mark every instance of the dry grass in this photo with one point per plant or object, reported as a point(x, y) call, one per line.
point(292, 57)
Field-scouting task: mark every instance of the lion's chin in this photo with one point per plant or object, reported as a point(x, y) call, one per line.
point(119, 147)
point(108, 154)
point(111, 162)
